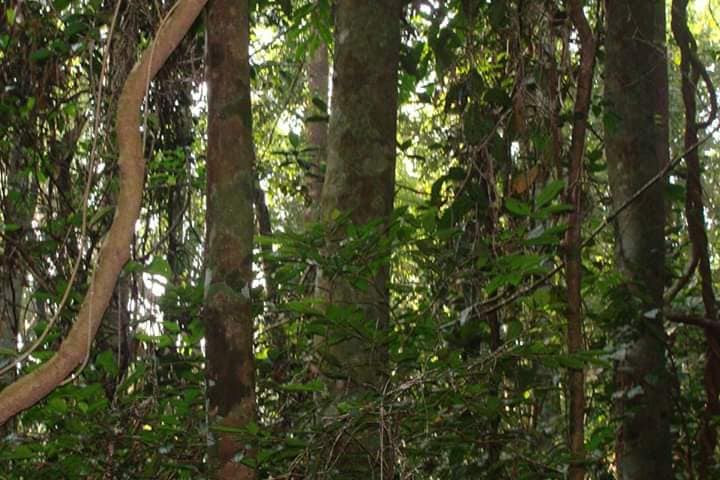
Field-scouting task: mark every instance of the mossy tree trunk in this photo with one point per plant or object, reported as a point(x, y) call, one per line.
point(359, 182)
point(228, 278)
point(637, 148)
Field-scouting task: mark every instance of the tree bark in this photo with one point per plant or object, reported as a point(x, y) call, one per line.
point(316, 129)
point(230, 226)
point(573, 240)
point(115, 250)
point(359, 182)
point(637, 148)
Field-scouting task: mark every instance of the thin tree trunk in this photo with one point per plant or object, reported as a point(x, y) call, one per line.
point(573, 240)
point(637, 148)
point(230, 226)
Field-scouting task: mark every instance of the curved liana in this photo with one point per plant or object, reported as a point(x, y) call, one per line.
point(115, 250)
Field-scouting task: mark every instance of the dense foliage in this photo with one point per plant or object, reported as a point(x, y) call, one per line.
point(477, 350)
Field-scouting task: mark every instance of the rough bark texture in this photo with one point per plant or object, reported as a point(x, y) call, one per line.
point(573, 240)
point(230, 225)
point(637, 148)
point(115, 250)
point(359, 181)
point(691, 69)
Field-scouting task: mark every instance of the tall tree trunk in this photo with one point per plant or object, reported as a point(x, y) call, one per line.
point(637, 148)
point(573, 240)
point(230, 225)
point(360, 181)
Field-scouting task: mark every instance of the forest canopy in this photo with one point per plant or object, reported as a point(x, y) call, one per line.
point(382, 239)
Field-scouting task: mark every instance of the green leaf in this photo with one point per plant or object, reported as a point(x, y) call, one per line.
point(303, 307)
point(106, 361)
point(159, 266)
point(10, 16)
point(40, 55)
point(517, 207)
point(19, 453)
point(570, 361)
point(58, 405)
point(320, 104)
point(317, 119)
point(549, 193)
point(294, 139)
point(61, 5)
point(559, 208)
point(133, 266)
point(524, 263)
point(171, 326)
point(312, 386)
point(514, 329)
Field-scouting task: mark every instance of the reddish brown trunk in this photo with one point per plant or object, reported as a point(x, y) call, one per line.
point(573, 241)
point(230, 226)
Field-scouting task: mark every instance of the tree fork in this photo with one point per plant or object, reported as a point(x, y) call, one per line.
point(115, 250)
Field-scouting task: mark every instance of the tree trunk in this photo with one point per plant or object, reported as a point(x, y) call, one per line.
point(316, 129)
point(573, 240)
point(228, 278)
point(637, 148)
point(359, 181)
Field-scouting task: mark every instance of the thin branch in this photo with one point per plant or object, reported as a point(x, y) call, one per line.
point(695, 320)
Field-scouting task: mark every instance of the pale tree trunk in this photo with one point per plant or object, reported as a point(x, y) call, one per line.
point(637, 148)
point(359, 181)
point(230, 225)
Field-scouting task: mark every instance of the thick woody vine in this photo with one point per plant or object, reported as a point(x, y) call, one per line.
point(115, 251)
